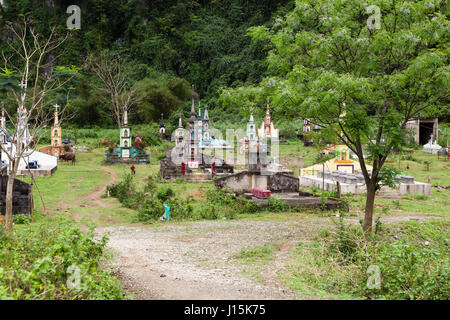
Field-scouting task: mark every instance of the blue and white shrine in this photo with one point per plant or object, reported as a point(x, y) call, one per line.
point(126, 152)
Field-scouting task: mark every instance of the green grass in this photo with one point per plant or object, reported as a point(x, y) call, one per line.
point(410, 256)
point(261, 255)
point(438, 173)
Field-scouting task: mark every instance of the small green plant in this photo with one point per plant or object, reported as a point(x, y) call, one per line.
point(161, 155)
point(419, 197)
point(396, 204)
point(122, 190)
point(323, 201)
point(410, 157)
point(276, 205)
point(3, 234)
point(378, 225)
point(165, 193)
point(220, 196)
point(179, 180)
point(150, 186)
point(210, 212)
point(22, 219)
point(230, 214)
point(150, 210)
point(259, 254)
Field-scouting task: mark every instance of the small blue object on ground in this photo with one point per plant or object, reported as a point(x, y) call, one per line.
point(167, 211)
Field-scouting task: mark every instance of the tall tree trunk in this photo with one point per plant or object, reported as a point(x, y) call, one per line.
point(9, 201)
point(370, 200)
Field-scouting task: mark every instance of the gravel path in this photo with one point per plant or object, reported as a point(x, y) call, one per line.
point(198, 261)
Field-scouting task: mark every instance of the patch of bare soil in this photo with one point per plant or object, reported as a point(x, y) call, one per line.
point(200, 193)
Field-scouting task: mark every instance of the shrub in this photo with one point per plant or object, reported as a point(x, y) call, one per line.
point(122, 190)
point(276, 205)
point(210, 212)
point(152, 209)
point(161, 155)
point(411, 257)
point(3, 234)
point(230, 214)
point(38, 259)
point(180, 209)
point(244, 206)
point(220, 196)
point(410, 157)
point(150, 186)
point(165, 193)
point(149, 201)
point(22, 219)
point(417, 197)
point(149, 133)
point(318, 192)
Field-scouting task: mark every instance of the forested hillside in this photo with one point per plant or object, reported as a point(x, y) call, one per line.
point(166, 45)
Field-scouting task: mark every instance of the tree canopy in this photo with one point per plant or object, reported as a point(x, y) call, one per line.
point(203, 42)
point(360, 80)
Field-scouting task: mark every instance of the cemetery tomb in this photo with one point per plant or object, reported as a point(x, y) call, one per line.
point(129, 150)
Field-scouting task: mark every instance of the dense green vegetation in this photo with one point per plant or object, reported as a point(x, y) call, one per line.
point(163, 44)
point(148, 201)
point(412, 259)
point(53, 259)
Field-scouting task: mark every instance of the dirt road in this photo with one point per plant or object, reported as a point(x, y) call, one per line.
point(198, 261)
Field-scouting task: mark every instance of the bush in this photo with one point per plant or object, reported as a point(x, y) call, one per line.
point(161, 155)
point(410, 157)
point(210, 212)
point(22, 219)
point(220, 196)
point(165, 193)
point(3, 234)
point(244, 206)
point(122, 190)
point(149, 201)
point(411, 272)
point(180, 209)
point(275, 205)
point(149, 133)
point(412, 259)
point(152, 209)
point(318, 192)
point(38, 259)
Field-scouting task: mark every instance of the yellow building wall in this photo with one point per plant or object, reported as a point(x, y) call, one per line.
point(333, 165)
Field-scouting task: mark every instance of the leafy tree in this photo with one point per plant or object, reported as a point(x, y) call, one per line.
point(159, 95)
point(361, 80)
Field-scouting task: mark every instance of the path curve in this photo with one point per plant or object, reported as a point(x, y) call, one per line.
point(91, 199)
point(199, 260)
